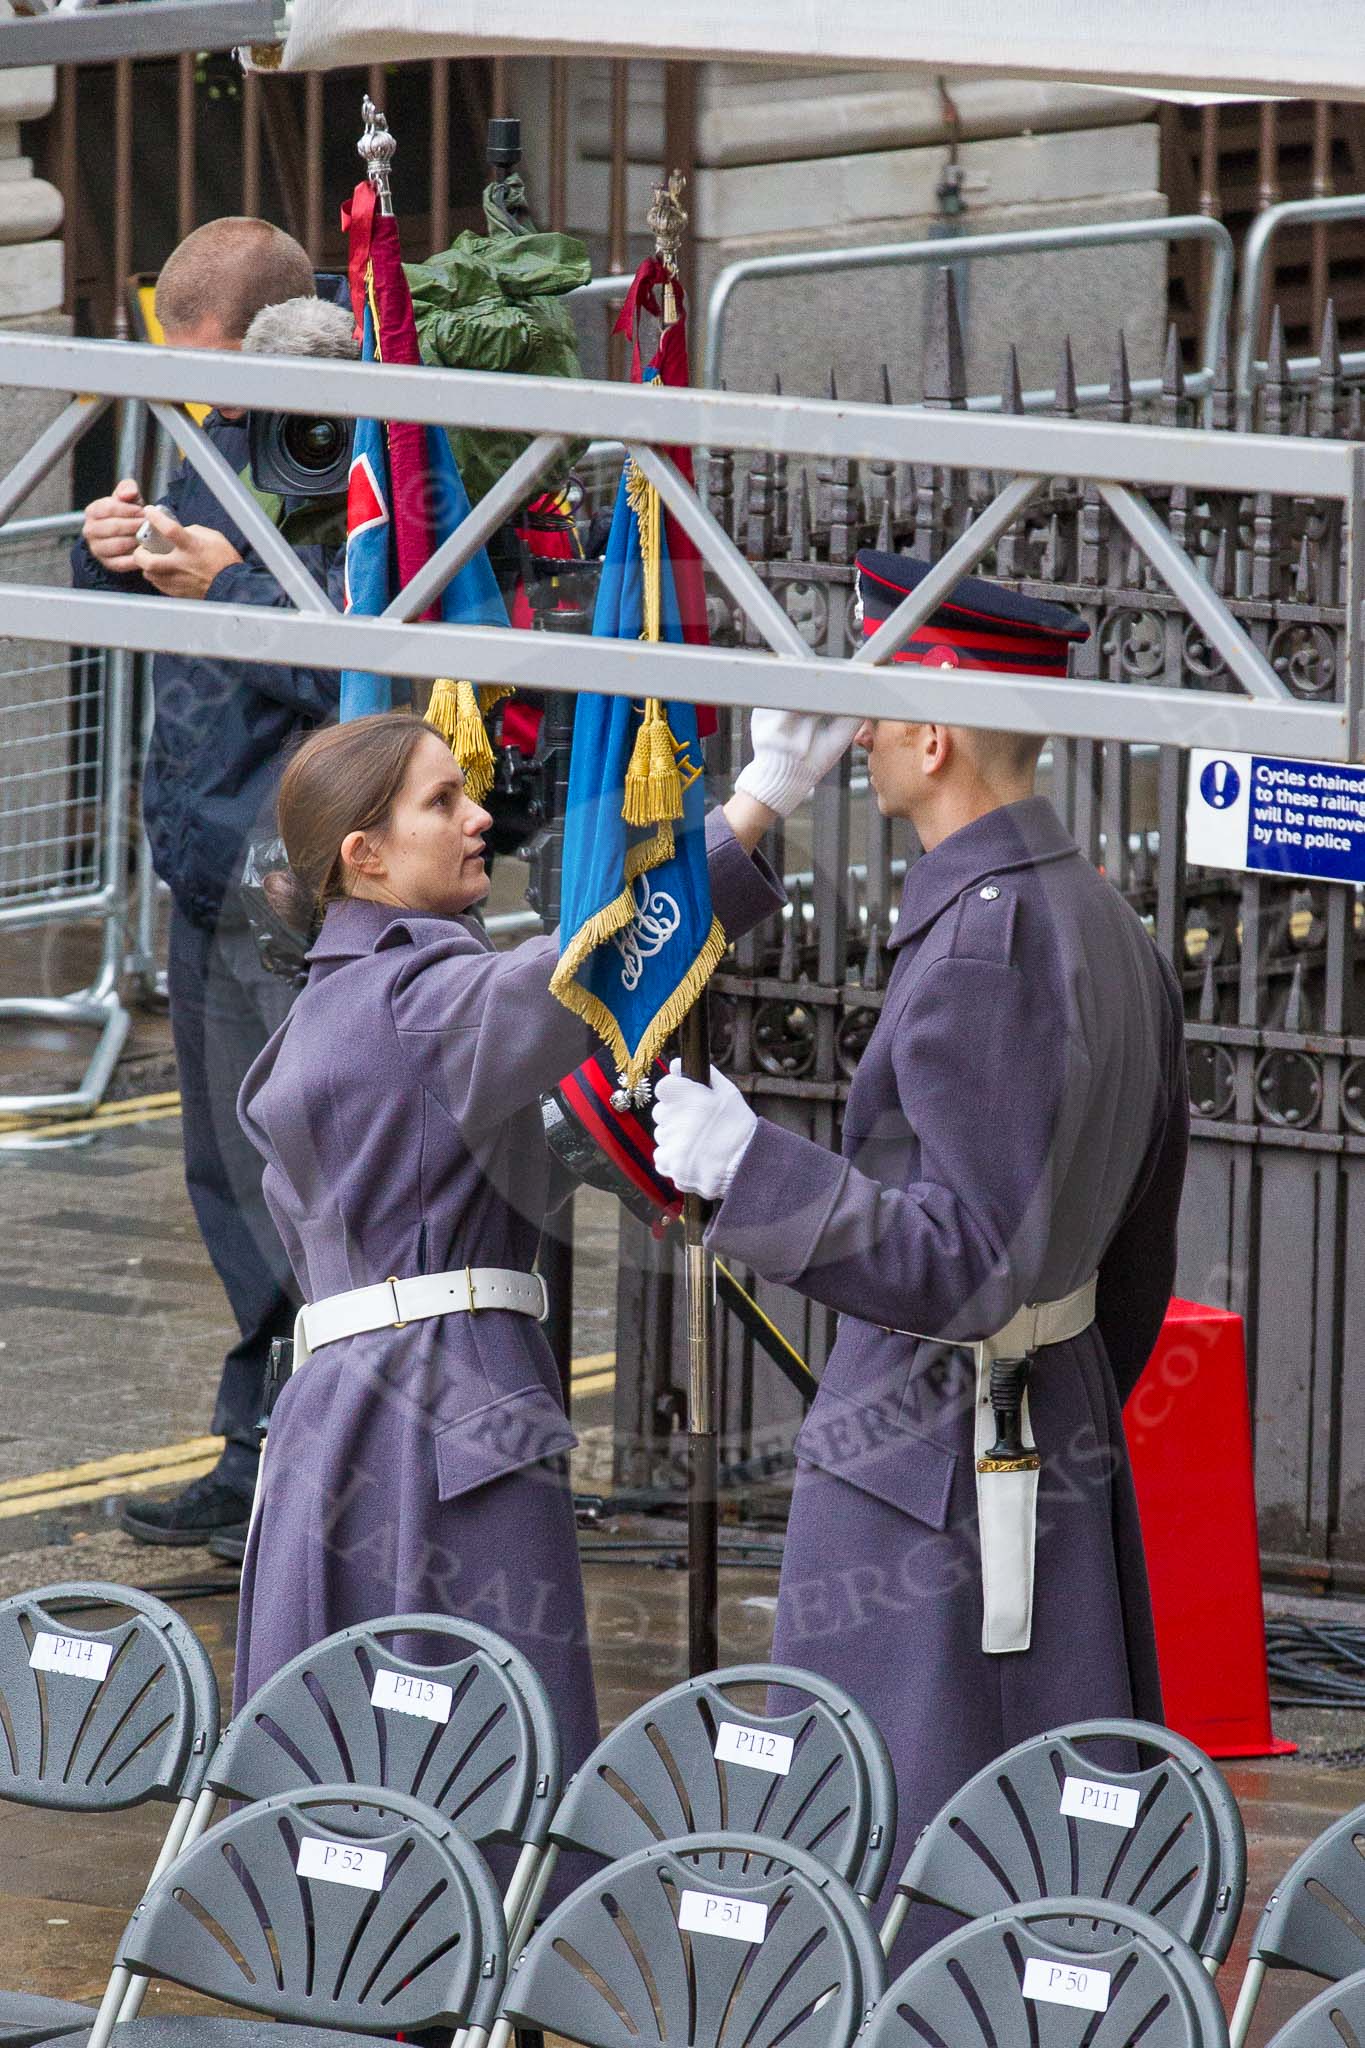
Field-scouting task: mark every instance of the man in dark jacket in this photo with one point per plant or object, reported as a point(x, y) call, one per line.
point(220, 732)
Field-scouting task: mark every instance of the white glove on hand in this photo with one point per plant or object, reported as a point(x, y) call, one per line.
point(700, 1133)
point(792, 751)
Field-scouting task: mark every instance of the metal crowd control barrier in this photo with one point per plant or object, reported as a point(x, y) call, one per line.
point(1023, 455)
point(64, 770)
point(144, 959)
point(1184, 227)
point(1255, 272)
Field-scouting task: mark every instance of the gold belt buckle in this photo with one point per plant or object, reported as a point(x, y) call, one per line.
point(469, 1283)
point(392, 1284)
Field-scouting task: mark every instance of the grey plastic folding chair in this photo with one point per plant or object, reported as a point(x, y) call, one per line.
point(474, 1736)
point(711, 1941)
point(693, 1760)
point(1046, 1818)
point(353, 1911)
point(95, 1720)
point(1313, 1919)
point(1057, 1973)
point(1334, 2019)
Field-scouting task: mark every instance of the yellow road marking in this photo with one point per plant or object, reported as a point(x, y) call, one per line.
point(172, 1464)
point(131, 1105)
point(74, 1127)
point(107, 1468)
point(72, 1496)
point(592, 1362)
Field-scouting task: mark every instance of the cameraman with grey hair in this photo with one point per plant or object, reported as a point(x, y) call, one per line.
point(221, 732)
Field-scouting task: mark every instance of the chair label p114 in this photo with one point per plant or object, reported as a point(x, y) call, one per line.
point(76, 1655)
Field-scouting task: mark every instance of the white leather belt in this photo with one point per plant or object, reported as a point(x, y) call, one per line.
point(1007, 1502)
point(392, 1304)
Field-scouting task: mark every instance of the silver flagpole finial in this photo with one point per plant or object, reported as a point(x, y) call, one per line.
point(376, 147)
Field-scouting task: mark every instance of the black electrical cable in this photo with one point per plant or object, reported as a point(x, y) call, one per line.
point(1315, 1663)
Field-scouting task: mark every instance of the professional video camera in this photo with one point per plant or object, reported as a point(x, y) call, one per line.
point(300, 455)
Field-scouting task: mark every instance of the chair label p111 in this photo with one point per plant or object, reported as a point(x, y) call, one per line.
point(1092, 1799)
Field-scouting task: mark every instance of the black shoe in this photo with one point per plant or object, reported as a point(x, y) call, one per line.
point(206, 1508)
point(229, 1544)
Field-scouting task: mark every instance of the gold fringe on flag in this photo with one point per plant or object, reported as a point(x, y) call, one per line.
point(653, 785)
point(457, 711)
point(597, 932)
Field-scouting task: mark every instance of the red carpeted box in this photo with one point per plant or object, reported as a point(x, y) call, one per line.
point(1188, 1425)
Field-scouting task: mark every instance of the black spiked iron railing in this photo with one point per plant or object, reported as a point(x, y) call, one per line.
point(1274, 971)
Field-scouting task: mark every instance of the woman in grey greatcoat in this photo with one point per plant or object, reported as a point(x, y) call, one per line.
point(422, 1465)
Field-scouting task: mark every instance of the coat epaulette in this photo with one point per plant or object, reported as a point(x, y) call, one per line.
point(985, 921)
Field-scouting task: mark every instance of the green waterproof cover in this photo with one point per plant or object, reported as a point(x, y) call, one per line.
point(493, 302)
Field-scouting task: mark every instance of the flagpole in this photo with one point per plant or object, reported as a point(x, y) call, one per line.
point(668, 219)
point(703, 1468)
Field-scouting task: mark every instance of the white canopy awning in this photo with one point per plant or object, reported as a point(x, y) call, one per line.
point(1305, 50)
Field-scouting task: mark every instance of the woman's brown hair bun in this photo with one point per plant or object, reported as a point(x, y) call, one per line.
point(343, 779)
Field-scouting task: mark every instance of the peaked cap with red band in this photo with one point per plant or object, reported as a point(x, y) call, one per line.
point(608, 1147)
point(982, 625)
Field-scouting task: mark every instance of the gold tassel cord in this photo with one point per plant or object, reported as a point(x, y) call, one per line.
point(653, 785)
point(456, 710)
point(643, 501)
point(653, 788)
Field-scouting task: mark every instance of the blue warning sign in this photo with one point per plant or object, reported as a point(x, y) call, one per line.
point(1268, 815)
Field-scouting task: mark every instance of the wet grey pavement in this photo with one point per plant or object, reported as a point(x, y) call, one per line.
point(112, 1331)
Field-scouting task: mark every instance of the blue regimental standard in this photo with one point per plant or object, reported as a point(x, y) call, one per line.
point(1265, 815)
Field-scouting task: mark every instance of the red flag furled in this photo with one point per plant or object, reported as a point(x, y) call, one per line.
point(670, 365)
point(405, 497)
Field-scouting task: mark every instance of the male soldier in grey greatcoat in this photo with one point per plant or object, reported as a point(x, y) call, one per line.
point(1015, 1136)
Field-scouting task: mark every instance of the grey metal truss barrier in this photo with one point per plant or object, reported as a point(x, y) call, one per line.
point(146, 950)
point(153, 28)
point(64, 774)
point(1253, 708)
point(1251, 300)
point(1190, 227)
point(1183, 549)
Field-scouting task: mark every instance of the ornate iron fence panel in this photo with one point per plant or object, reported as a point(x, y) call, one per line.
point(1275, 1195)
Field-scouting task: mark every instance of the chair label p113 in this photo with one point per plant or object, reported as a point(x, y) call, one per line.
point(402, 1692)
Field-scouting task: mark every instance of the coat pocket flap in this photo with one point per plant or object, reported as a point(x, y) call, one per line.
point(864, 1444)
point(504, 1436)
